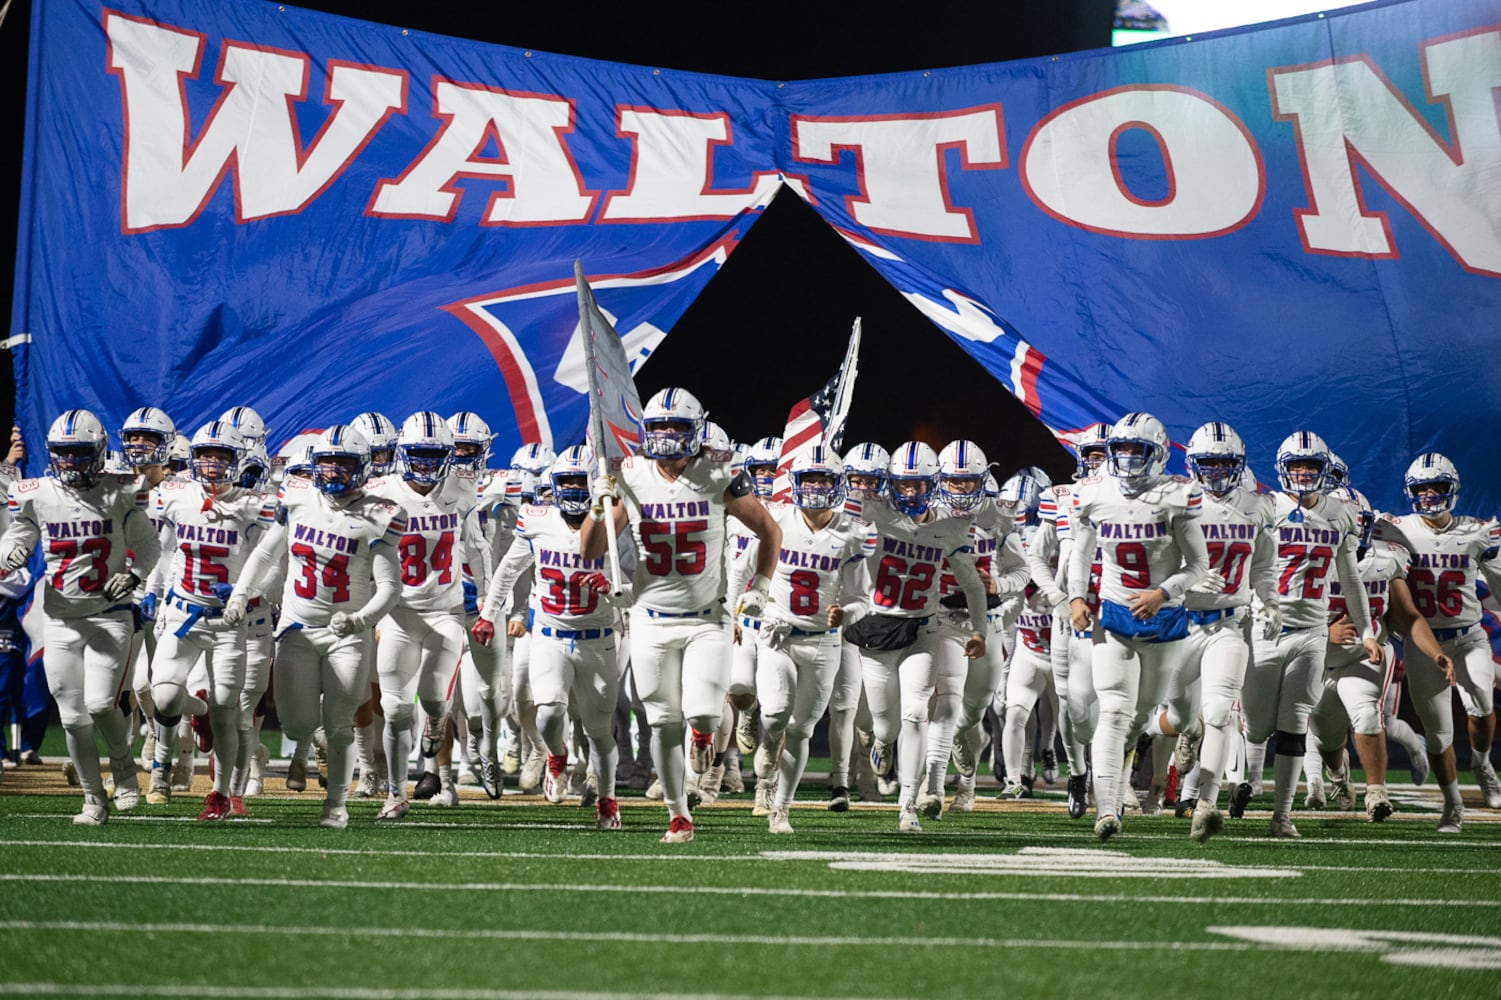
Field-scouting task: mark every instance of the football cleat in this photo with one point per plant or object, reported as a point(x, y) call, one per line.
point(765, 791)
point(1315, 798)
point(711, 783)
point(237, 806)
point(1490, 786)
point(320, 753)
point(203, 728)
point(734, 780)
point(530, 779)
point(1378, 805)
point(1014, 791)
point(158, 792)
point(554, 784)
point(590, 793)
point(215, 807)
point(769, 755)
point(1339, 784)
point(690, 789)
point(881, 759)
point(432, 737)
point(748, 730)
point(127, 793)
point(1151, 804)
point(1207, 822)
point(654, 790)
point(1239, 799)
point(365, 787)
point(95, 812)
point(679, 831)
point(888, 786)
point(490, 778)
point(930, 806)
point(1282, 826)
point(1451, 821)
point(148, 750)
point(839, 799)
point(776, 822)
point(297, 775)
point(1107, 826)
point(392, 810)
point(181, 777)
point(448, 795)
point(510, 758)
point(70, 773)
point(255, 782)
point(607, 814)
point(1184, 807)
point(701, 752)
point(1420, 765)
point(335, 817)
point(964, 796)
point(1078, 795)
point(1050, 766)
point(964, 758)
point(428, 785)
point(907, 822)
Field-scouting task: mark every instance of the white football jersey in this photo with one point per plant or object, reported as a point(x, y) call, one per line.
point(209, 539)
point(740, 550)
point(909, 559)
point(1311, 541)
point(679, 531)
point(1445, 564)
point(1383, 563)
point(1034, 626)
point(86, 537)
point(1149, 540)
point(1238, 534)
point(329, 550)
point(561, 595)
point(819, 569)
point(433, 547)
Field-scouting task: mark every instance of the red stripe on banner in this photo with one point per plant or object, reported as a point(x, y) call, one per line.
point(803, 427)
point(1032, 360)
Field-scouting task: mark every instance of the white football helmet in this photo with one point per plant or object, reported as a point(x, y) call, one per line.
point(1338, 474)
point(1302, 447)
point(341, 460)
point(76, 449)
point(381, 434)
point(1431, 484)
point(569, 477)
point(471, 440)
point(530, 467)
point(424, 448)
point(1090, 450)
point(299, 463)
point(215, 470)
point(249, 423)
point(820, 463)
point(159, 430)
point(1136, 468)
point(1219, 445)
point(1022, 493)
point(914, 479)
point(962, 469)
point(761, 460)
point(717, 441)
point(294, 450)
point(672, 425)
point(255, 468)
point(870, 462)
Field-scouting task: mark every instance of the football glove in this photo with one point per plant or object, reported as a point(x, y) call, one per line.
point(753, 601)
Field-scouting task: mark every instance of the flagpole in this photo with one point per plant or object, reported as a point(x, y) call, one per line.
point(597, 425)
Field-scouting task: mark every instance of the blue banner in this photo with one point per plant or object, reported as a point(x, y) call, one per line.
point(1295, 226)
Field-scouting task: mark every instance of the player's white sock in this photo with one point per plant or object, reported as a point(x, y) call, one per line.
point(672, 766)
point(1255, 762)
point(1451, 793)
point(85, 754)
point(1286, 767)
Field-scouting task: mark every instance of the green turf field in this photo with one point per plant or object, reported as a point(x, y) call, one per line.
point(525, 899)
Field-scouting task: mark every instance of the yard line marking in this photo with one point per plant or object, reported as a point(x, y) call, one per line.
point(119, 817)
point(360, 992)
point(723, 890)
point(622, 937)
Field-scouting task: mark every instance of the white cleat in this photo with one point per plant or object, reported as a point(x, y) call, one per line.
point(95, 812)
point(182, 772)
point(734, 780)
point(748, 730)
point(159, 793)
point(127, 793)
point(365, 788)
point(392, 810)
point(907, 822)
point(1378, 805)
point(765, 790)
point(964, 796)
point(769, 755)
point(148, 749)
point(1315, 798)
point(531, 773)
point(930, 806)
point(654, 790)
point(679, 831)
point(334, 817)
point(297, 774)
point(776, 822)
point(255, 781)
point(1107, 826)
point(1453, 819)
point(881, 759)
point(964, 758)
point(448, 795)
point(1420, 765)
point(1207, 822)
point(1282, 826)
point(70, 773)
point(1490, 786)
point(710, 784)
point(1341, 788)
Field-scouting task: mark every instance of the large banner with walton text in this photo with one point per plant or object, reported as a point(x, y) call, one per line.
point(1293, 226)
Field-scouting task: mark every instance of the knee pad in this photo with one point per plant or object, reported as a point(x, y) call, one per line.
point(1366, 720)
point(1291, 744)
point(399, 714)
point(1218, 713)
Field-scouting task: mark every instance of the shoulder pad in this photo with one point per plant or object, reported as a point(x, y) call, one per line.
point(535, 510)
point(740, 485)
point(28, 485)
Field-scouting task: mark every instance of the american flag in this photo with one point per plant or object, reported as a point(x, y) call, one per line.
point(820, 418)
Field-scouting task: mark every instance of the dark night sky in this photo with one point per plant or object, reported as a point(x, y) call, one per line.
point(793, 287)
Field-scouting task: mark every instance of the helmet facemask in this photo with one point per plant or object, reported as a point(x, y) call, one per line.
point(339, 473)
point(962, 493)
point(912, 495)
point(1217, 474)
point(816, 489)
point(671, 438)
point(75, 465)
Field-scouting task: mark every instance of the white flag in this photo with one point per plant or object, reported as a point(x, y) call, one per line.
point(614, 405)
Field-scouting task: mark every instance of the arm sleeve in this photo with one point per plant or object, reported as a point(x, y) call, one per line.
point(1264, 567)
point(962, 563)
point(854, 590)
point(1012, 569)
point(518, 560)
point(1356, 602)
point(385, 570)
point(263, 562)
point(1082, 546)
point(1038, 554)
point(144, 545)
point(1190, 539)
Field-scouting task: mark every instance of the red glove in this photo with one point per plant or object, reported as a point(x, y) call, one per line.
point(483, 632)
point(597, 582)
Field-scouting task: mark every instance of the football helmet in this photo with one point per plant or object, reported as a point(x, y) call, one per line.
point(1338, 474)
point(914, 479)
point(530, 467)
point(1218, 444)
point(672, 425)
point(1367, 520)
point(961, 475)
point(341, 460)
point(215, 471)
point(249, 423)
point(299, 462)
point(294, 450)
point(1022, 493)
point(761, 460)
point(717, 440)
point(255, 468)
point(177, 454)
point(471, 440)
point(870, 462)
point(1090, 449)
point(820, 462)
point(76, 449)
point(1301, 447)
point(1136, 468)
point(381, 434)
point(569, 477)
point(155, 425)
point(424, 448)
point(1431, 484)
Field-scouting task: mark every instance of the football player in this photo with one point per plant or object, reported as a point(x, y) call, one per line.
point(1315, 532)
point(1146, 526)
point(99, 543)
point(343, 576)
point(900, 636)
point(208, 525)
point(676, 502)
point(1450, 553)
point(381, 433)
